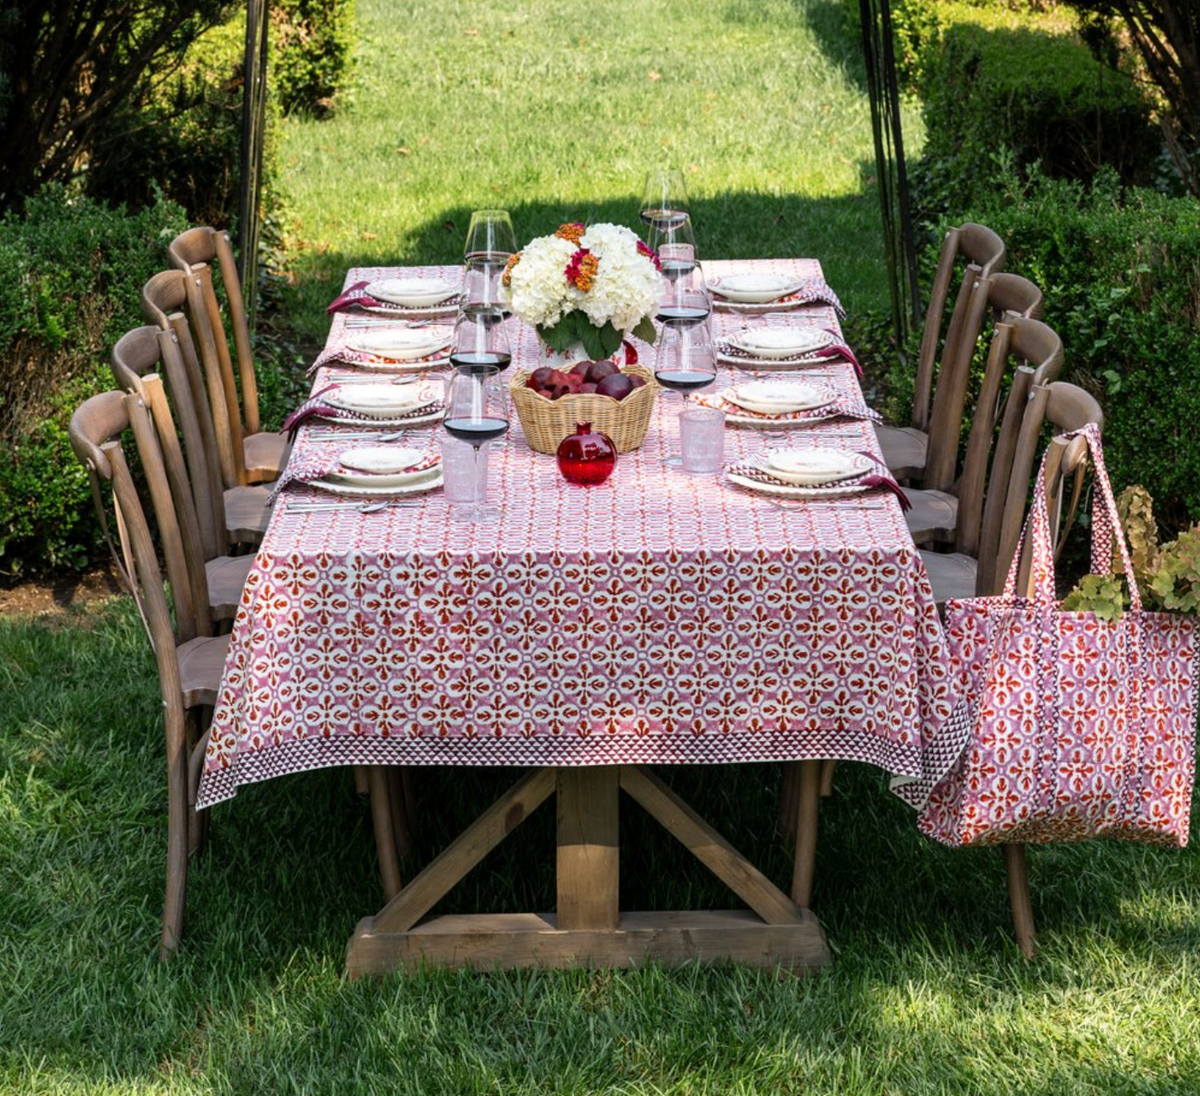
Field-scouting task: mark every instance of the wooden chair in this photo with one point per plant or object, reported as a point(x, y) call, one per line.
point(189, 658)
point(954, 515)
point(137, 358)
point(1030, 407)
point(924, 451)
point(245, 508)
point(194, 252)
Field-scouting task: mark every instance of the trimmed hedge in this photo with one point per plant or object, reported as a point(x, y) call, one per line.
point(70, 273)
point(312, 53)
point(1040, 94)
point(1121, 273)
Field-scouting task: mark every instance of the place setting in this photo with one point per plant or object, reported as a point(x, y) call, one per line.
point(403, 297)
point(373, 474)
point(767, 348)
point(813, 473)
point(365, 404)
point(783, 405)
point(753, 293)
point(398, 350)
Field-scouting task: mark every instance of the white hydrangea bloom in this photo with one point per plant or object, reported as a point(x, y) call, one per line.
point(538, 290)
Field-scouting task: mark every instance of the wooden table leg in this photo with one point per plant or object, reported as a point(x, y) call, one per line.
point(588, 854)
point(385, 836)
point(808, 798)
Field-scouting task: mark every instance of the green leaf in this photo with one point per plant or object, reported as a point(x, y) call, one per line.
point(589, 336)
point(610, 339)
point(645, 330)
point(560, 336)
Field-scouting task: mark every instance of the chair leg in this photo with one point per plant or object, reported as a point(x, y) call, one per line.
point(197, 820)
point(785, 824)
point(385, 837)
point(828, 768)
point(177, 830)
point(360, 780)
point(399, 810)
point(1019, 899)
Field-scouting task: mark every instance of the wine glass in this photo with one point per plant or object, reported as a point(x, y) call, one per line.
point(685, 300)
point(479, 340)
point(664, 200)
point(490, 243)
point(490, 237)
point(684, 360)
point(675, 243)
point(476, 413)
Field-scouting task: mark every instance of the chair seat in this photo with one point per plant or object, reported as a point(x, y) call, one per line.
point(932, 516)
point(951, 574)
point(201, 661)
point(247, 513)
point(904, 449)
point(265, 456)
point(226, 576)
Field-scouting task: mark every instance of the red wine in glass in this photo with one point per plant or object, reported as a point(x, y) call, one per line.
point(475, 431)
point(476, 361)
point(684, 380)
point(682, 315)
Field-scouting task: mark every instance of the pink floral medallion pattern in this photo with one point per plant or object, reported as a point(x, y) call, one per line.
point(660, 618)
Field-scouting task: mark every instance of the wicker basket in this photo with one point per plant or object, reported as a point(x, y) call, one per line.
point(547, 422)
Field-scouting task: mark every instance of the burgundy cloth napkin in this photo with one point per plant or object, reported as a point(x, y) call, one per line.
point(355, 296)
point(316, 407)
point(326, 461)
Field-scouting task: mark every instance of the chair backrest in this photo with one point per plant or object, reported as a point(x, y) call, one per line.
point(1016, 339)
point(205, 246)
point(95, 432)
point(1012, 293)
point(981, 249)
point(169, 301)
point(1066, 408)
point(138, 358)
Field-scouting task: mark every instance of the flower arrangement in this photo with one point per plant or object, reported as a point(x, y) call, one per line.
point(585, 284)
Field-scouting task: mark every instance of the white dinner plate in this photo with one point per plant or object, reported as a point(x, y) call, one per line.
point(402, 345)
point(810, 467)
point(754, 288)
point(380, 401)
point(411, 292)
point(779, 397)
point(781, 342)
point(431, 482)
point(384, 466)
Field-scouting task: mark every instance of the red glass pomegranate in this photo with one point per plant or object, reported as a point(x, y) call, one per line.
point(586, 458)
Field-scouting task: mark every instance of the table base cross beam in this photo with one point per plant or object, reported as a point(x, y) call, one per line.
point(588, 928)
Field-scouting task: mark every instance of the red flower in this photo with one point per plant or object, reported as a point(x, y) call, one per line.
point(650, 254)
point(581, 270)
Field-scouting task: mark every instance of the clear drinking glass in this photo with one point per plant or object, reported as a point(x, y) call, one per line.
point(701, 439)
point(462, 468)
point(684, 360)
point(476, 413)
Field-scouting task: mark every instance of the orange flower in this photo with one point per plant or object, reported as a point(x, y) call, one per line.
point(573, 231)
point(506, 277)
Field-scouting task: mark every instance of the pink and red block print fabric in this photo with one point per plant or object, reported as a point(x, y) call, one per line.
point(661, 618)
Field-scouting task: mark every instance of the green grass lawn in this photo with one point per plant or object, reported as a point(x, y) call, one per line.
point(556, 109)
point(552, 109)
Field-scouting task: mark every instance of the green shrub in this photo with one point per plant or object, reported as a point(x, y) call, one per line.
point(313, 44)
point(998, 82)
point(70, 272)
point(1121, 273)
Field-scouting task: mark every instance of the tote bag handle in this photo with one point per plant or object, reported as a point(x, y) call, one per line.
point(1106, 526)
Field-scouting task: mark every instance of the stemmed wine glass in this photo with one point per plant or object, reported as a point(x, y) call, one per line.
point(664, 200)
point(684, 361)
point(685, 300)
point(476, 413)
point(675, 243)
point(479, 340)
point(490, 243)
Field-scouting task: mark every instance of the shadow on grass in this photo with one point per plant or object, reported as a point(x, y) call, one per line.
point(842, 232)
